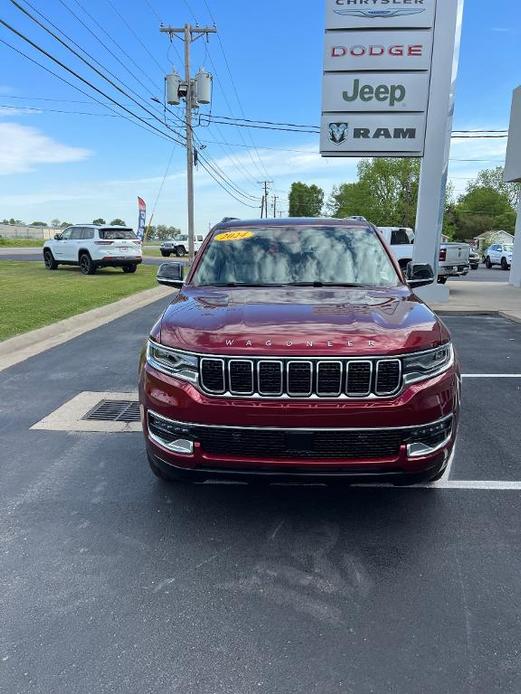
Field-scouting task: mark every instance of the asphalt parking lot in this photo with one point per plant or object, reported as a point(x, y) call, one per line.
point(114, 583)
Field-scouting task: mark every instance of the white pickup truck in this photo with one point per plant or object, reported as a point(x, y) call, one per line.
point(453, 258)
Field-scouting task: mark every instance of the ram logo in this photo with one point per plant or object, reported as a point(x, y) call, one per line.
point(338, 132)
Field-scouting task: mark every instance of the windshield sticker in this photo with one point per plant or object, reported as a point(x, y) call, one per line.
point(234, 235)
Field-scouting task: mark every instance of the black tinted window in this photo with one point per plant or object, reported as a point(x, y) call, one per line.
point(399, 237)
point(117, 234)
point(288, 255)
point(87, 233)
point(75, 233)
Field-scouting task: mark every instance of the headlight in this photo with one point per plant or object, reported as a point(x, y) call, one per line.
point(423, 365)
point(173, 363)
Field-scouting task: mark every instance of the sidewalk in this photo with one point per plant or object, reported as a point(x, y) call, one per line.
point(482, 297)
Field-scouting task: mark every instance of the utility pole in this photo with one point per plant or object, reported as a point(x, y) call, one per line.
point(275, 198)
point(190, 34)
point(264, 205)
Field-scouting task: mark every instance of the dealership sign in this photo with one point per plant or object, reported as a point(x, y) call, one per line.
point(381, 50)
point(369, 91)
point(380, 14)
point(377, 62)
point(400, 135)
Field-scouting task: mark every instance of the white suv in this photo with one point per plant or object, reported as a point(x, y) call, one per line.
point(499, 254)
point(91, 246)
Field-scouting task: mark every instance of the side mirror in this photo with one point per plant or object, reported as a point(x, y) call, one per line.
point(171, 274)
point(419, 274)
point(57, 237)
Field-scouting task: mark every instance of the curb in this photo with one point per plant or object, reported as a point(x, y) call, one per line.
point(21, 347)
point(514, 317)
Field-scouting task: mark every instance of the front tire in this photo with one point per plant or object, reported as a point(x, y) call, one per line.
point(180, 251)
point(49, 261)
point(87, 267)
point(165, 254)
point(488, 264)
point(131, 267)
point(504, 264)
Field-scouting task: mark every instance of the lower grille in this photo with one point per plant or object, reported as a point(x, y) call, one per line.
point(363, 444)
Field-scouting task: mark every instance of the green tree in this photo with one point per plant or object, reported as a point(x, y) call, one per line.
point(99, 221)
point(483, 208)
point(493, 178)
point(305, 201)
point(118, 222)
point(386, 192)
point(64, 225)
point(38, 224)
point(55, 223)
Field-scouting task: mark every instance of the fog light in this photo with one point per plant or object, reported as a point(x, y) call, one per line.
point(416, 450)
point(183, 446)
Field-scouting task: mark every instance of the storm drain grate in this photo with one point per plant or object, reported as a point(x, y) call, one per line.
point(114, 411)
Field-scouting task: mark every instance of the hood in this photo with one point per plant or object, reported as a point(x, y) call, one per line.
point(281, 321)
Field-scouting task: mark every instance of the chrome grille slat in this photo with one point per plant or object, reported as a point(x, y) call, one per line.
point(388, 376)
point(270, 377)
point(343, 378)
point(358, 379)
point(240, 376)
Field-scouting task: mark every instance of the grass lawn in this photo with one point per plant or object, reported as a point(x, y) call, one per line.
point(31, 296)
point(21, 243)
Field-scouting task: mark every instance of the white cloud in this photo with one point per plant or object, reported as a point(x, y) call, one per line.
point(22, 148)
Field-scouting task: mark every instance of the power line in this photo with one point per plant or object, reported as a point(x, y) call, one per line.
point(137, 101)
point(78, 76)
point(62, 79)
point(102, 43)
point(234, 86)
point(134, 34)
point(148, 126)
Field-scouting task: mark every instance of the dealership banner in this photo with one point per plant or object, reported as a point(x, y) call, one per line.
point(142, 216)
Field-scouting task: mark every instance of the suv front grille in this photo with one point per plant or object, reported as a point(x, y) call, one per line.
point(347, 444)
point(352, 378)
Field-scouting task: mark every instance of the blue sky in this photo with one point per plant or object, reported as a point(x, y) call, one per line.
point(77, 167)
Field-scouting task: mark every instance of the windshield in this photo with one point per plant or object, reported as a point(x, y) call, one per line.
point(117, 234)
point(321, 255)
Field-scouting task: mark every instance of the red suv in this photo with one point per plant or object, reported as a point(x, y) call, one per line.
point(295, 349)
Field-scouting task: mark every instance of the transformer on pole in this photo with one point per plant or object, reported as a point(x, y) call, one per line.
point(195, 91)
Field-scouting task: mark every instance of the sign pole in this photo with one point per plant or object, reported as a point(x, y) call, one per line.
point(434, 169)
point(513, 175)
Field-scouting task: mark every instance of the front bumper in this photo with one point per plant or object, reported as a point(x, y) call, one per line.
point(241, 438)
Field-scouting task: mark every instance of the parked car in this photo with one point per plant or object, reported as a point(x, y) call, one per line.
point(401, 241)
point(92, 246)
point(499, 254)
point(453, 258)
point(179, 245)
point(474, 259)
point(286, 355)
point(453, 261)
